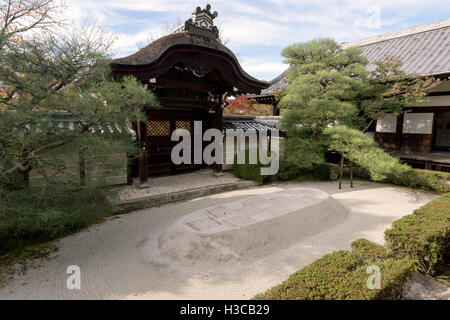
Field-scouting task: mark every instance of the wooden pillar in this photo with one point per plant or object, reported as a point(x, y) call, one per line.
point(219, 125)
point(143, 158)
point(399, 133)
point(276, 111)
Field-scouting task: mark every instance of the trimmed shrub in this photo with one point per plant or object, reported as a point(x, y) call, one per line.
point(342, 275)
point(288, 171)
point(49, 212)
point(249, 171)
point(368, 250)
point(321, 172)
point(424, 236)
point(423, 179)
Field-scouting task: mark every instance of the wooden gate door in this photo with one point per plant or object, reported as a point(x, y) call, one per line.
point(158, 129)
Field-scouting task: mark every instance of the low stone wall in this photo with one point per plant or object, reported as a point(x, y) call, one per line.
point(69, 170)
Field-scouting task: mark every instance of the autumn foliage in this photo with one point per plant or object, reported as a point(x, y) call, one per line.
point(240, 105)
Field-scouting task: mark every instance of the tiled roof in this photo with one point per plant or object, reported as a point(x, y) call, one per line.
point(66, 121)
point(423, 49)
point(275, 84)
point(250, 123)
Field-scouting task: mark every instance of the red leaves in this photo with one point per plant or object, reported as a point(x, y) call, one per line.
point(240, 105)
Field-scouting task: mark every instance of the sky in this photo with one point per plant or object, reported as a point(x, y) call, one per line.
point(257, 30)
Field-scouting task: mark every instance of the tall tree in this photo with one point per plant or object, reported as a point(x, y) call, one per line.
point(18, 17)
point(328, 85)
point(322, 80)
point(61, 98)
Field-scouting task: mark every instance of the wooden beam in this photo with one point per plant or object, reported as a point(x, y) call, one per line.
point(428, 109)
point(200, 86)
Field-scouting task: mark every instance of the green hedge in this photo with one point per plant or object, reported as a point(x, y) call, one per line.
point(423, 179)
point(424, 236)
point(288, 171)
point(249, 171)
point(342, 275)
point(49, 212)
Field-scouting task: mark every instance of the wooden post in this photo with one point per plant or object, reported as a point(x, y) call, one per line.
point(276, 111)
point(143, 169)
point(219, 125)
point(143, 159)
point(351, 174)
point(399, 133)
point(341, 171)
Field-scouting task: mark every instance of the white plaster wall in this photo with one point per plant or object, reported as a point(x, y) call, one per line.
point(387, 123)
point(418, 123)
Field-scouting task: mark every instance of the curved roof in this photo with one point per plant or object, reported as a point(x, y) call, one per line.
point(151, 55)
point(196, 45)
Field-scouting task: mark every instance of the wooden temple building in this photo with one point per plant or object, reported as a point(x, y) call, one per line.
point(192, 73)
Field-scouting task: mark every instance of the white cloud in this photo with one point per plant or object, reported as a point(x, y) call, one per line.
point(262, 68)
point(251, 31)
point(263, 24)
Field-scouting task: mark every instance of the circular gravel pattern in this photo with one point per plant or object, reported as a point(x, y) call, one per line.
point(227, 246)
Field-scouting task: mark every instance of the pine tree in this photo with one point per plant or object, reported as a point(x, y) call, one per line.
point(328, 85)
point(60, 98)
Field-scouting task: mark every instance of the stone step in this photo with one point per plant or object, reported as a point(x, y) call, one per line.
point(128, 205)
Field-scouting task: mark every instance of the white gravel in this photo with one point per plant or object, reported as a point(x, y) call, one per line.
point(227, 246)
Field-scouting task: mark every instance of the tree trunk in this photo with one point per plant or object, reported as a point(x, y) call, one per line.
point(82, 167)
point(351, 174)
point(341, 171)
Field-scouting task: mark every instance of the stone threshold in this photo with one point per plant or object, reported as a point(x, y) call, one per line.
point(157, 200)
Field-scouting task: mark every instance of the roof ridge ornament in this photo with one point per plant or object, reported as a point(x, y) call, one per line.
point(202, 24)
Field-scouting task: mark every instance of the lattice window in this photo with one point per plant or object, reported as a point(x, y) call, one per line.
point(158, 128)
point(183, 124)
